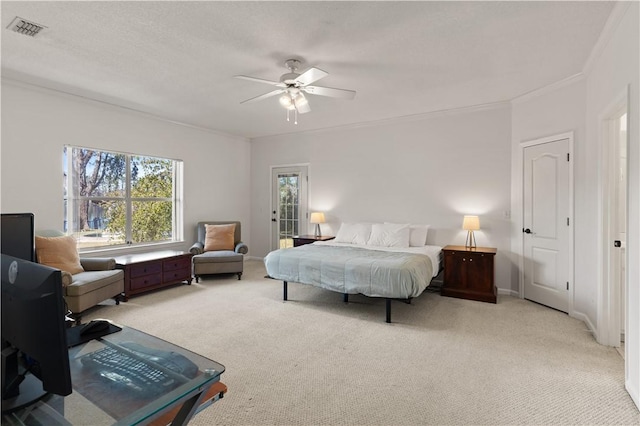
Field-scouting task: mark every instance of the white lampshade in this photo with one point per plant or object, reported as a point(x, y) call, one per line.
point(317, 217)
point(471, 223)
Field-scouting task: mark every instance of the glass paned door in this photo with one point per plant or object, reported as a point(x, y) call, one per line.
point(289, 212)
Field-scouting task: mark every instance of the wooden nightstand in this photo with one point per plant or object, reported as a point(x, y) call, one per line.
point(468, 273)
point(300, 240)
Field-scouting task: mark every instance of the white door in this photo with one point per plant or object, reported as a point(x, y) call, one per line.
point(289, 205)
point(618, 216)
point(547, 224)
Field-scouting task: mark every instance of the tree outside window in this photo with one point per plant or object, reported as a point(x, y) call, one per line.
point(115, 199)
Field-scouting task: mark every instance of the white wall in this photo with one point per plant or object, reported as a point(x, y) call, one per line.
point(37, 123)
point(616, 68)
point(428, 171)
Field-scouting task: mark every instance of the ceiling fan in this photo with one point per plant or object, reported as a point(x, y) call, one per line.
point(293, 85)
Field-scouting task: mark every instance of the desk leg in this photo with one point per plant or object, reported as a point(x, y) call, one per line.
point(189, 408)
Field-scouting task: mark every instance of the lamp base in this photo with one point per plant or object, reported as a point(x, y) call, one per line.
point(317, 233)
point(471, 240)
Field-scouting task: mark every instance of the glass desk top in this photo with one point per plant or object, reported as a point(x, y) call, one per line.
point(128, 377)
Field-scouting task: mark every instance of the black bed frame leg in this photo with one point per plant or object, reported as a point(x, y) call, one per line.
point(345, 297)
point(388, 303)
point(284, 295)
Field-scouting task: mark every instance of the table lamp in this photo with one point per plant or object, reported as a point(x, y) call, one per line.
point(317, 218)
point(470, 224)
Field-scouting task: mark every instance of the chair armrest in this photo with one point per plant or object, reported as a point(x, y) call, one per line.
point(197, 248)
point(67, 278)
point(241, 248)
point(98, 263)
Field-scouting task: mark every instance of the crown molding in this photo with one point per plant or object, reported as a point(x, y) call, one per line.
point(610, 27)
point(396, 120)
point(548, 88)
point(115, 107)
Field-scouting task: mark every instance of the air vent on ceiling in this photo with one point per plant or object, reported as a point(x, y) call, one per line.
point(25, 27)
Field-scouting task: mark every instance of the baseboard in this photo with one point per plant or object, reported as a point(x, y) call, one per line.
point(585, 319)
point(507, 292)
point(633, 392)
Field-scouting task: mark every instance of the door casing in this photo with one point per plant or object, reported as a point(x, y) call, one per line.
point(303, 213)
point(608, 305)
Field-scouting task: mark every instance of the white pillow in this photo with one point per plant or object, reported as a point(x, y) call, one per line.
point(353, 233)
point(389, 235)
point(417, 234)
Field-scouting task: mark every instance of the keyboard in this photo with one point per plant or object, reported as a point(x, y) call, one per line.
point(129, 372)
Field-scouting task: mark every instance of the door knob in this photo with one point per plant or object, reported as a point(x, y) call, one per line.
point(526, 231)
point(273, 220)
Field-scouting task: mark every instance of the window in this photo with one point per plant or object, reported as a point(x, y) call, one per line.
point(113, 199)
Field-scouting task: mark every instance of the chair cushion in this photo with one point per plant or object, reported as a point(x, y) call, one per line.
point(219, 237)
point(220, 256)
point(59, 253)
point(86, 282)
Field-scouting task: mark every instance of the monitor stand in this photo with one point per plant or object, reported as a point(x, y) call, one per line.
point(30, 392)
point(20, 390)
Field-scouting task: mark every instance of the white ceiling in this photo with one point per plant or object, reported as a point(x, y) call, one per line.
point(177, 59)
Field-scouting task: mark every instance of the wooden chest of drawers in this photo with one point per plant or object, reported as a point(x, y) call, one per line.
point(149, 271)
point(469, 273)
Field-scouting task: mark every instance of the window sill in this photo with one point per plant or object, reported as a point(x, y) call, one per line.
point(122, 250)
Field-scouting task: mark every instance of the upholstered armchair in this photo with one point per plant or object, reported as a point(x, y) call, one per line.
point(220, 251)
point(86, 281)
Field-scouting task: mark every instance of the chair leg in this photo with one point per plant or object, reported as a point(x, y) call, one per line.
point(197, 279)
point(77, 318)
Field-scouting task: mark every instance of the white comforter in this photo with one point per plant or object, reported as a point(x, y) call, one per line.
point(356, 269)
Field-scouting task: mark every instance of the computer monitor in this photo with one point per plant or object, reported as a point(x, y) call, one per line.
point(35, 357)
point(17, 235)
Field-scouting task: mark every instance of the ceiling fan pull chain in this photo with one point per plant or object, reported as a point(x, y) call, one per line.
point(296, 115)
point(287, 115)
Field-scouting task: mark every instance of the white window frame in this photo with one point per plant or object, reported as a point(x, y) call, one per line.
point(177, 218)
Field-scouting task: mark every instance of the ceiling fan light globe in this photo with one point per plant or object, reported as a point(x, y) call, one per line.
point(300, 100)
point(285, 101)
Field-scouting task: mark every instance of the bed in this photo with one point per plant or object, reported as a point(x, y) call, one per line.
point(361, 262)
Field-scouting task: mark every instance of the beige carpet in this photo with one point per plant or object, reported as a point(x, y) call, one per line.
point(315, 360)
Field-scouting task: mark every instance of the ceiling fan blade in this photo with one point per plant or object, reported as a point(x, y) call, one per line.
point(310, 75)
point(329, 91)
point(260, 80)
point(265, 96)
